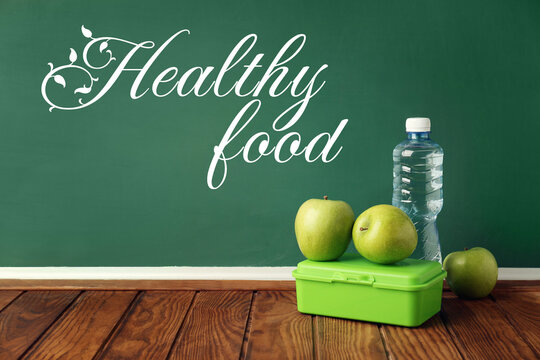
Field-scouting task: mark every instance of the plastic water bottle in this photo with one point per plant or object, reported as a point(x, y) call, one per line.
point(418, 181)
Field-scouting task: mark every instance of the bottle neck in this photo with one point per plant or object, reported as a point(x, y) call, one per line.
point(418, 135)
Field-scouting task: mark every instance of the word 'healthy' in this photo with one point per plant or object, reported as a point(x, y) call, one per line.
point(276, 80)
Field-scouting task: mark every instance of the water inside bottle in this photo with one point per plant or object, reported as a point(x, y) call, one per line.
point(418, 177)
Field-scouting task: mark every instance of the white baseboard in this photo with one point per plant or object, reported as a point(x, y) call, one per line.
point(190, 273)
point(148, 273)
point(519, 273)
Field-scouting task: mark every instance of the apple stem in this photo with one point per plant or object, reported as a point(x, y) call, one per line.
point(363, 228)
point(325, 197)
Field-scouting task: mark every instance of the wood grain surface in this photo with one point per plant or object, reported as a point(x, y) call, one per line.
point(522, 309)
point(31, 284)
point(278, 330)
point(482, 331)
point(253, 285)
point(8, 296)
point(428, 341)
point(214, 328)
point(79, 333)
point(149, 330)
point(347, 339)
point(26, 318)
point(232, 324)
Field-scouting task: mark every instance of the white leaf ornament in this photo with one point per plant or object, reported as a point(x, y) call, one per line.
point(86, 33)
point(59, 79)
point(72, 55)
point(83, 90)
point(103, 46)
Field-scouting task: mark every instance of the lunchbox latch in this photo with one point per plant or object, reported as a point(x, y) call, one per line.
point(366, 279)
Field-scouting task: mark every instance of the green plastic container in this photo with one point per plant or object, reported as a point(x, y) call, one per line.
point(406, 293)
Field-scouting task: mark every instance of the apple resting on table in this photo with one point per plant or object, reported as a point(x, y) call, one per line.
point(384, 234)
point(472, 273)
point(323, 228)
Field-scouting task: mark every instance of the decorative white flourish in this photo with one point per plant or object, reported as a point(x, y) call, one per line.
point(86, 67)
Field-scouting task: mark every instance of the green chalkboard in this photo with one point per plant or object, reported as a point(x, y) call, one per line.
point(123, 181)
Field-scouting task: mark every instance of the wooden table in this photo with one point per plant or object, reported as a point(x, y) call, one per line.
point(242, 324)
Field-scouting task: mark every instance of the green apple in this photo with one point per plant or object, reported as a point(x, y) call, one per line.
point(384, 234)
point(471, 273)
point(323, 228)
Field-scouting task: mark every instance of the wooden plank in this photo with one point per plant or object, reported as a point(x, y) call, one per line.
point(150, 328)
point(8, 296)
point(520, 285)
point(163, 285)
point(214, 328)
point(278, 330)
point(522, 309)
point(26, 318)
point(347, 339)
point(431, 340)
point(481, 331)
point(81, 330)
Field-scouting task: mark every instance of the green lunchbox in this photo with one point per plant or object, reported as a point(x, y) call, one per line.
point(406, 293)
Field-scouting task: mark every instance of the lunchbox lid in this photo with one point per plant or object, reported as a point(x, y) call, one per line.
point(408, 274)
